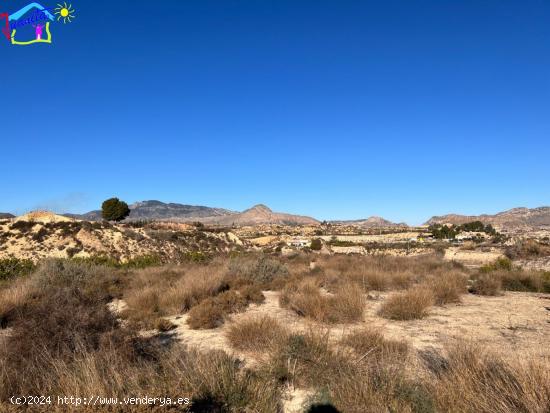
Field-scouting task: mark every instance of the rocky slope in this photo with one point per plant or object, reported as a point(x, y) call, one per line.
point(160, 211)
point(41, 235)
point(260, 214)
point(371, 222)
point(513, 219)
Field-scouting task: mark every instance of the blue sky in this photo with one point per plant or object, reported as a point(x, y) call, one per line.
point(334, 109)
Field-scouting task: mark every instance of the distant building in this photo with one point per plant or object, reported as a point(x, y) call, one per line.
point(299, 243)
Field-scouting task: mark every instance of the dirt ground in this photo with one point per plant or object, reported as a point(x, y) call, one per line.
point(472, 258)
point(509, 324)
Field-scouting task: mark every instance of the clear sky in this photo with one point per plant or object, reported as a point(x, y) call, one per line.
point(334, 109)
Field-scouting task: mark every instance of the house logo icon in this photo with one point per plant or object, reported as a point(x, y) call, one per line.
point(31, 24)
point(34, 14)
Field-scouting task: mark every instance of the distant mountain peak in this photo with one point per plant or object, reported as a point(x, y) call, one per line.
point(371, 222)
point(261, 208)
point(511, 219)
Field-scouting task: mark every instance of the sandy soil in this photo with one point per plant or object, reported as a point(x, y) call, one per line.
point(511, 323)
point(472, 258)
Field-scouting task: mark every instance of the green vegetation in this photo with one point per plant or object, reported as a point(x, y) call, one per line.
point(501, 274)
point(451, 231)
point(114, 209)
point(316, 244)
point(14, 267)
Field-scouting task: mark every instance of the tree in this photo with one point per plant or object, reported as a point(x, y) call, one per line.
point(316, 244)
point(114, 210)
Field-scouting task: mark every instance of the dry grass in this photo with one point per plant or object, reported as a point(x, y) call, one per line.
point(259, 269)
point(158, 292)
point(63, 340)
point(469, 380)
point(448, 288)
point(256, 334)
point(408, 305)
point(369, 341)
point(380, 273)
point(520, 280)
point(307, 300)
point(212, 312)
point(486, 284)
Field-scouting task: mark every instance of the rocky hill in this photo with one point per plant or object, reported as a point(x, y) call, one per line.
point(371, 222)
point(260, 214)
point(41, 235)
point(513, 219)
point(160, 211)
point(4, 215)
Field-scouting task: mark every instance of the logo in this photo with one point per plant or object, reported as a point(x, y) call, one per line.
point(31, 24)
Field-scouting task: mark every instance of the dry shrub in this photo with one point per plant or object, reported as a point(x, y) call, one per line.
point(164, 325)
point(256, 333)
point(64, 341)
point(526, 249)
point(305, 359)
point(470, 379)
point(258, 269)
point(448, 288)
point(408, 305)
point(486, 284)
point(212, 312)
point(307, 300)
point(346, 382)
point(382, 273)
point(12, 298)
point(369, 341)
point(524, 280)
point(213, 381)
point(252, 294)
point(206, 315)
point(346, 305)
point(158, 292)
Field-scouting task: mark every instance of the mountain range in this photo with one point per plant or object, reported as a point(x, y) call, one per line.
point(372, 222)
point(160, 211)
point(515, 218)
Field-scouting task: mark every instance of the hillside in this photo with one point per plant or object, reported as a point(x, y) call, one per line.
point(5, 215)
point(516, 218)
point(371, 222)
point(39, 235)
point(160, 211)
point(260, 214)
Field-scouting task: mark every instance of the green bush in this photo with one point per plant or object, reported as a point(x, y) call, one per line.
point(501, 264)
point(14, 267)
point(114, 210)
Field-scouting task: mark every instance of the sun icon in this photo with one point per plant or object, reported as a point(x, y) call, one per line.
point(65, 12)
